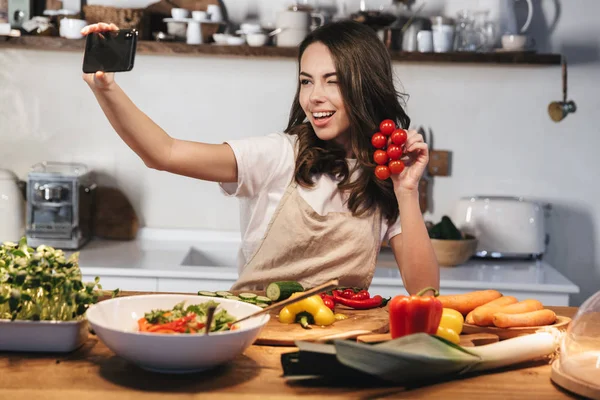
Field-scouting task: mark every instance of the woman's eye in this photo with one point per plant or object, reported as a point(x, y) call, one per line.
point(333, 82)
point(304, 81)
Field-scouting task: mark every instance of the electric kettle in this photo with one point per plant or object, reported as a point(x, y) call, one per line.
point(12, 208)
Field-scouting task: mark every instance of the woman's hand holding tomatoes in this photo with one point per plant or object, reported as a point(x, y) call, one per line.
point(402, 155)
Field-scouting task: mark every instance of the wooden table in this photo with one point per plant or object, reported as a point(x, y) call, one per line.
point(94, 372)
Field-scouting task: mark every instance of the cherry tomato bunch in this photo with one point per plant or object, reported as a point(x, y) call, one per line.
point(388, 142)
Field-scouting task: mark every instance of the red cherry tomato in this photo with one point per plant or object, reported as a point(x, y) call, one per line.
point(382, 172)
point(387, 127)
point(394, 152)
point(379, 140)
point(348, 293)
point(396, 167)
point(380, 157)
point(399, 137)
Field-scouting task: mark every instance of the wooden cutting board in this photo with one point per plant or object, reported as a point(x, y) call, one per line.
point(275, 333)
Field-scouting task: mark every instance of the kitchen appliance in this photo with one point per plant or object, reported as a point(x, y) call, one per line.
point(20, 11)
point(506, 227)
point(12, 208)
point(60, 199)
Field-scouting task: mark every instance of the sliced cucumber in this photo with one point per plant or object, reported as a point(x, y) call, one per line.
point(262, 305)
point(222, 293)
point(207, 293)
point(278, 291)
point(263, 299)
point(232, 297)
point(247, 296)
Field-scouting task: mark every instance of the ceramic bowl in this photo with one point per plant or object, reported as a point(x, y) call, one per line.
point(220, 38)
point(256, 39)
point(115, 323)
point(450, 253)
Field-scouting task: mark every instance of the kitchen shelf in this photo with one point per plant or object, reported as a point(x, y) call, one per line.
point(178, 48)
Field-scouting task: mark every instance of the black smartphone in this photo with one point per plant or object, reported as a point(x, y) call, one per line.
point(110, 51)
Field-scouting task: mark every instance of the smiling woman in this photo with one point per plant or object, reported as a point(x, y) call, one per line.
point(311, 207)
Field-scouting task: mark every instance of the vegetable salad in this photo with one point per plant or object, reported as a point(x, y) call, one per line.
point(181, 319)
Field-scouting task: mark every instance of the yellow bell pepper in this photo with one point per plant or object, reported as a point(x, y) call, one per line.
point(451, 325)
point(313, 305)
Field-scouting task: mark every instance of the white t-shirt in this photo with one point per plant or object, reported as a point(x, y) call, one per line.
point(265, 169)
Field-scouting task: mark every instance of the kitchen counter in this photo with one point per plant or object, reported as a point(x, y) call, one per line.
point(188, 261)
point(94, 372)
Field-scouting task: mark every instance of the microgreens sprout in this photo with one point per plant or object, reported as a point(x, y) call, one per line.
point(42, 284)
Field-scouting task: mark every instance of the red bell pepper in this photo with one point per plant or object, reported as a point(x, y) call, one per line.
point(414, 314)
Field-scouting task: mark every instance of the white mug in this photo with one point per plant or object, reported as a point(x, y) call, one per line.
point(194, 33)
point(298, 19)
point(214, 12)
point(199, 15)
point(179, 13)
point(443, 38)
point(71, 28)
point(425, 41)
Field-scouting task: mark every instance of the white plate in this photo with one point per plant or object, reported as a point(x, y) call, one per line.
point(115, 323)
point(42, 336)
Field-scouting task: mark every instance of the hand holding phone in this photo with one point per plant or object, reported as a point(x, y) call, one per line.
point(110, 50)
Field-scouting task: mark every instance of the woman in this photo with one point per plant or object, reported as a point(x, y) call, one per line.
point(312, 208)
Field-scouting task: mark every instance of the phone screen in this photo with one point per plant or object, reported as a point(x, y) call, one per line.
point(111, 51)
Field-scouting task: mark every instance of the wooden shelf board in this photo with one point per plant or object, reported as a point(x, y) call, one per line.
point(179, 48)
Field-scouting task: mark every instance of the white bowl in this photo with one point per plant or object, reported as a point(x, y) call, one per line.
point(115, 323)
point(235, 41)
point(220, 38)
point(256, 39)
point(42, 336)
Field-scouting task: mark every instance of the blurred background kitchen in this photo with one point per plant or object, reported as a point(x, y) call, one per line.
point(490, 114)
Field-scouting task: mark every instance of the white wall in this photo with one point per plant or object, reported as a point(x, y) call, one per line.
point(493, 118)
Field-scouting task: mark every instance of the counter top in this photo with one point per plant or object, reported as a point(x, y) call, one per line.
point(169, 253)
point(95, 372)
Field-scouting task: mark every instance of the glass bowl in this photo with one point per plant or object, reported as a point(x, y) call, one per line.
point(580, 347)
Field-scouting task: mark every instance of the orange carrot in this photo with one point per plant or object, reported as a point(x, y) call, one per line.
point(143, 324)
point(465, 303)
point(469, 318)
point(484, 315)
point(527, 319)
point(521, 307)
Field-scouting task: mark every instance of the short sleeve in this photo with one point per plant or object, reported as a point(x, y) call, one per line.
point(260, 161)
point(393, 230)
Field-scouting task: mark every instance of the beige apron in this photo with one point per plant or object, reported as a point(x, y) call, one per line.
point(302, 245)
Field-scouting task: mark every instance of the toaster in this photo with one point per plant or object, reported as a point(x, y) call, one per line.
point(506, 227)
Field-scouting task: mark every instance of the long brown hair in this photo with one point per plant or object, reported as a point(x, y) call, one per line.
point(366, 82)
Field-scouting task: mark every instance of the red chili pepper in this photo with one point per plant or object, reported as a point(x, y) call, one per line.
point(336, 293)
point(348, 293)
point(362, 295)
point(415, 314)
point(373, 302)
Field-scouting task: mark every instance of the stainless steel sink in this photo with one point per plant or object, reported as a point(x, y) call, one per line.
point(215, 258)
